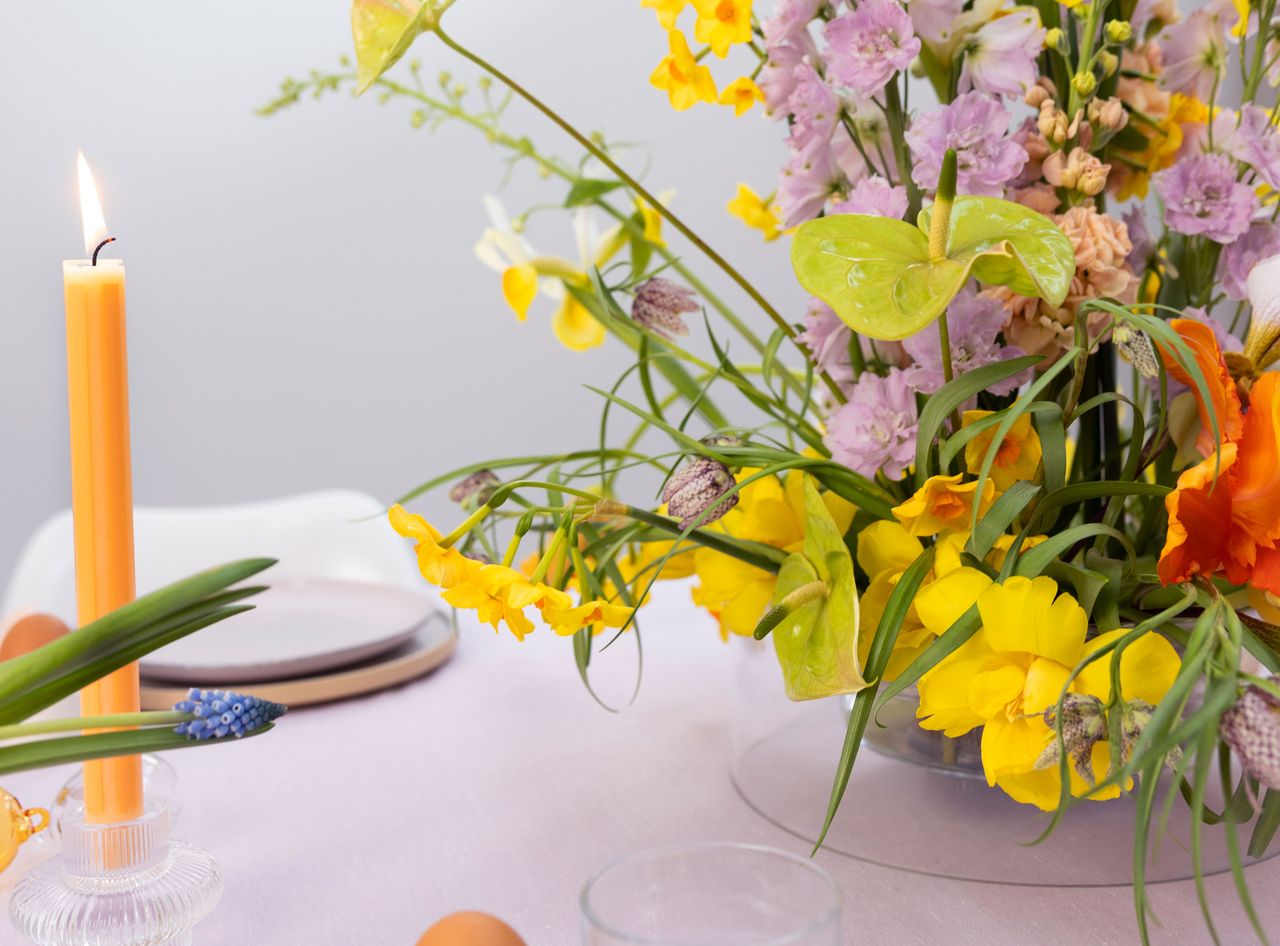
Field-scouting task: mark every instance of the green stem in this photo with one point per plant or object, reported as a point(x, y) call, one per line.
point(109, 721)
point(895, 115)
point(1086, 49)
point(467, 524)
point(761, 556)
point(600, 155)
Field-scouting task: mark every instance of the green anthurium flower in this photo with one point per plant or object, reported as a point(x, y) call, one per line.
point(384, 30)
point(816, 610)
point(881, 278)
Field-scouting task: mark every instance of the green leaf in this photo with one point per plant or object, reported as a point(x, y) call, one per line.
point(46, 752)
point(817, 643)
point(585, 190)
point(1266, 826)
point(875, 272)
point(1000, 516)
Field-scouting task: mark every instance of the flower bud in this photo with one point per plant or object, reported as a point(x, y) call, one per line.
point(659, 305)
point(1084, 723)
point(1052, 123)
point(700, 486)
point(1108, 62)
point(1036, 96)
point(1118, 32)
point(474, 491)
point(1084, 84)
point(1251, 726)
point(1055, 39)
point(1107, 114)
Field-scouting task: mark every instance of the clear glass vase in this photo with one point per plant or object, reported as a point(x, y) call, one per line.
point(918, 801)
point(711, 895)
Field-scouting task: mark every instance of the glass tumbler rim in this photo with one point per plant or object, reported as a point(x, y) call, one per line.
point(787, 939)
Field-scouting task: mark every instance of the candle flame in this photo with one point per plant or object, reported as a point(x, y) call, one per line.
point(95, 226)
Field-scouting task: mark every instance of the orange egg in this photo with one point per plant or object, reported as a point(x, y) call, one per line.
point(470, 928)
point(25, 632)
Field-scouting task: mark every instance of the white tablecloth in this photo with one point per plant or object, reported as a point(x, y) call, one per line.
point(498, 784)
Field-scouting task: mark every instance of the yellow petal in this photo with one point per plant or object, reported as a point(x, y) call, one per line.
point(519, 288)
point(576, 328)
point(886, 546)
point(1022, 616)
point(1148, 667)
point(941, 602)
point(998, 686)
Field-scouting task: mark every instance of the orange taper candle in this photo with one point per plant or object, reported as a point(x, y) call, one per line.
point(101, 487)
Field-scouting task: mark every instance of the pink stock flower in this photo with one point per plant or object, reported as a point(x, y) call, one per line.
point(809, 180)
point(778, 77)
point(1195, 51)
point(977, 126)
point(934, 20)
point(827, 338)
point(1001, 55)
point(876, 429)
point(814, 108)
point(790, 19)
point(876, 196)
point(868, 46)
point(1202, 196)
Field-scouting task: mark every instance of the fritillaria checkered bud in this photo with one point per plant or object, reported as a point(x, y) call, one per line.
point(1252, 728)
point(660, 305)
point(1084, 723)
point(475, 490)
point(699, 486)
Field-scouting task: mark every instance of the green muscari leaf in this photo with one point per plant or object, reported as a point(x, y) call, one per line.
point(817, 643)
point(877, 275)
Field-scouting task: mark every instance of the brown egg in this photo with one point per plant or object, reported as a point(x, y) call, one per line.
point(25, 632)
point(470, 928)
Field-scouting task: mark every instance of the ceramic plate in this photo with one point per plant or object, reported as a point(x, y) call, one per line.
point(298, 628)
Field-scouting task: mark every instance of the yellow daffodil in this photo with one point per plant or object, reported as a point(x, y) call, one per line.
point(722, 23)
point(575, 327)
point(1017, 458)
point(1241, 26)
point(757, 212)
point(441, 566)
point(943, 503)
point(771, 512)
point(485, 593)
point(595, 614)
point(1016, 667)
point(668, 10)
point(685, 81)
point(1164, 142)
point(652, 219)
point(741, 94)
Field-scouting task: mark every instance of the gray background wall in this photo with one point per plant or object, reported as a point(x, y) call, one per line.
point(305, 309)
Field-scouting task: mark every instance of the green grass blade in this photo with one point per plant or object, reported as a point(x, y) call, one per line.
point(47, 752)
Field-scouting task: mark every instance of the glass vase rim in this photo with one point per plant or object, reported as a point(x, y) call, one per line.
point(633, 857)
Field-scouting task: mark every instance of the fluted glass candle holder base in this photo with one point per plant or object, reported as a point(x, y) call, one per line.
point(122, 884)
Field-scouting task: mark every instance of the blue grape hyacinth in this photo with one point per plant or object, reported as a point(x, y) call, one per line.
point(222, 713)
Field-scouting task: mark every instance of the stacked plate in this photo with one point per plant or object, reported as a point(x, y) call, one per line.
point(307, 641)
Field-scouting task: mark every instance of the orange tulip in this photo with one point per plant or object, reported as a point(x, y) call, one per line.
point(1224, 517)
point(1222, 389)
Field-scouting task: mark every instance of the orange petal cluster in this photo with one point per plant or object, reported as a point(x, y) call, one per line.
point(1224, 516)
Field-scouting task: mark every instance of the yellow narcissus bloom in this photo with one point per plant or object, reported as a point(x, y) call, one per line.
point(596, 614)
point(943, 503)
point(681, 77)
point(885, 551)
point(575, 327)
point(771, 512)
point(668, 10)
point(1017, 458)
point(722, 23)
point(652, 219)
point(757, 212)
point(441, 566)
point(741, 94)
point(1016, 667)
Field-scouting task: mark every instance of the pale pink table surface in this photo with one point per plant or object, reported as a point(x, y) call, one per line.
point(498, 784)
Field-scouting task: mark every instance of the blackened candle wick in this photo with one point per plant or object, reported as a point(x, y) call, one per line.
point(98, 249)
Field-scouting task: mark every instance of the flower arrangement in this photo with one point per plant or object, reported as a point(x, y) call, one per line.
point(1021, 452)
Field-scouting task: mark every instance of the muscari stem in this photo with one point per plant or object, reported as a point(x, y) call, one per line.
point(110, 721)
point(600, 155)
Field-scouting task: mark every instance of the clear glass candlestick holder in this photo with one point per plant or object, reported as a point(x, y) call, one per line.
point(125, 884)
point(711, 895)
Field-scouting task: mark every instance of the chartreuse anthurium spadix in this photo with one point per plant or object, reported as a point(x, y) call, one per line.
point(888, 279)
point(814, 618)
point(384, 30)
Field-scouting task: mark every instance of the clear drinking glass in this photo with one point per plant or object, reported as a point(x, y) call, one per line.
point(711, 895)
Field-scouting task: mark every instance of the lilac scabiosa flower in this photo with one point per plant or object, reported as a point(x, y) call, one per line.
point(660, 304)
point(1261, 241)
point(876, 429)
point(1001, 55)
point(867, 46)
point(875, 196)
point(1202, 196)
point(1251, 139)
point(808, 181)
point(222, 713)
point(977, 126)
point(973, 322)
point(934, 20)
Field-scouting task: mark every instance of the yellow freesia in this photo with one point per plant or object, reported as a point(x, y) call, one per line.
point(722, 23)
point(757, 212)
point(741, 94)
point(1017, 458)
point(685, 81)
point(668, 10)
point(1016, 667)
point(943, 503)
